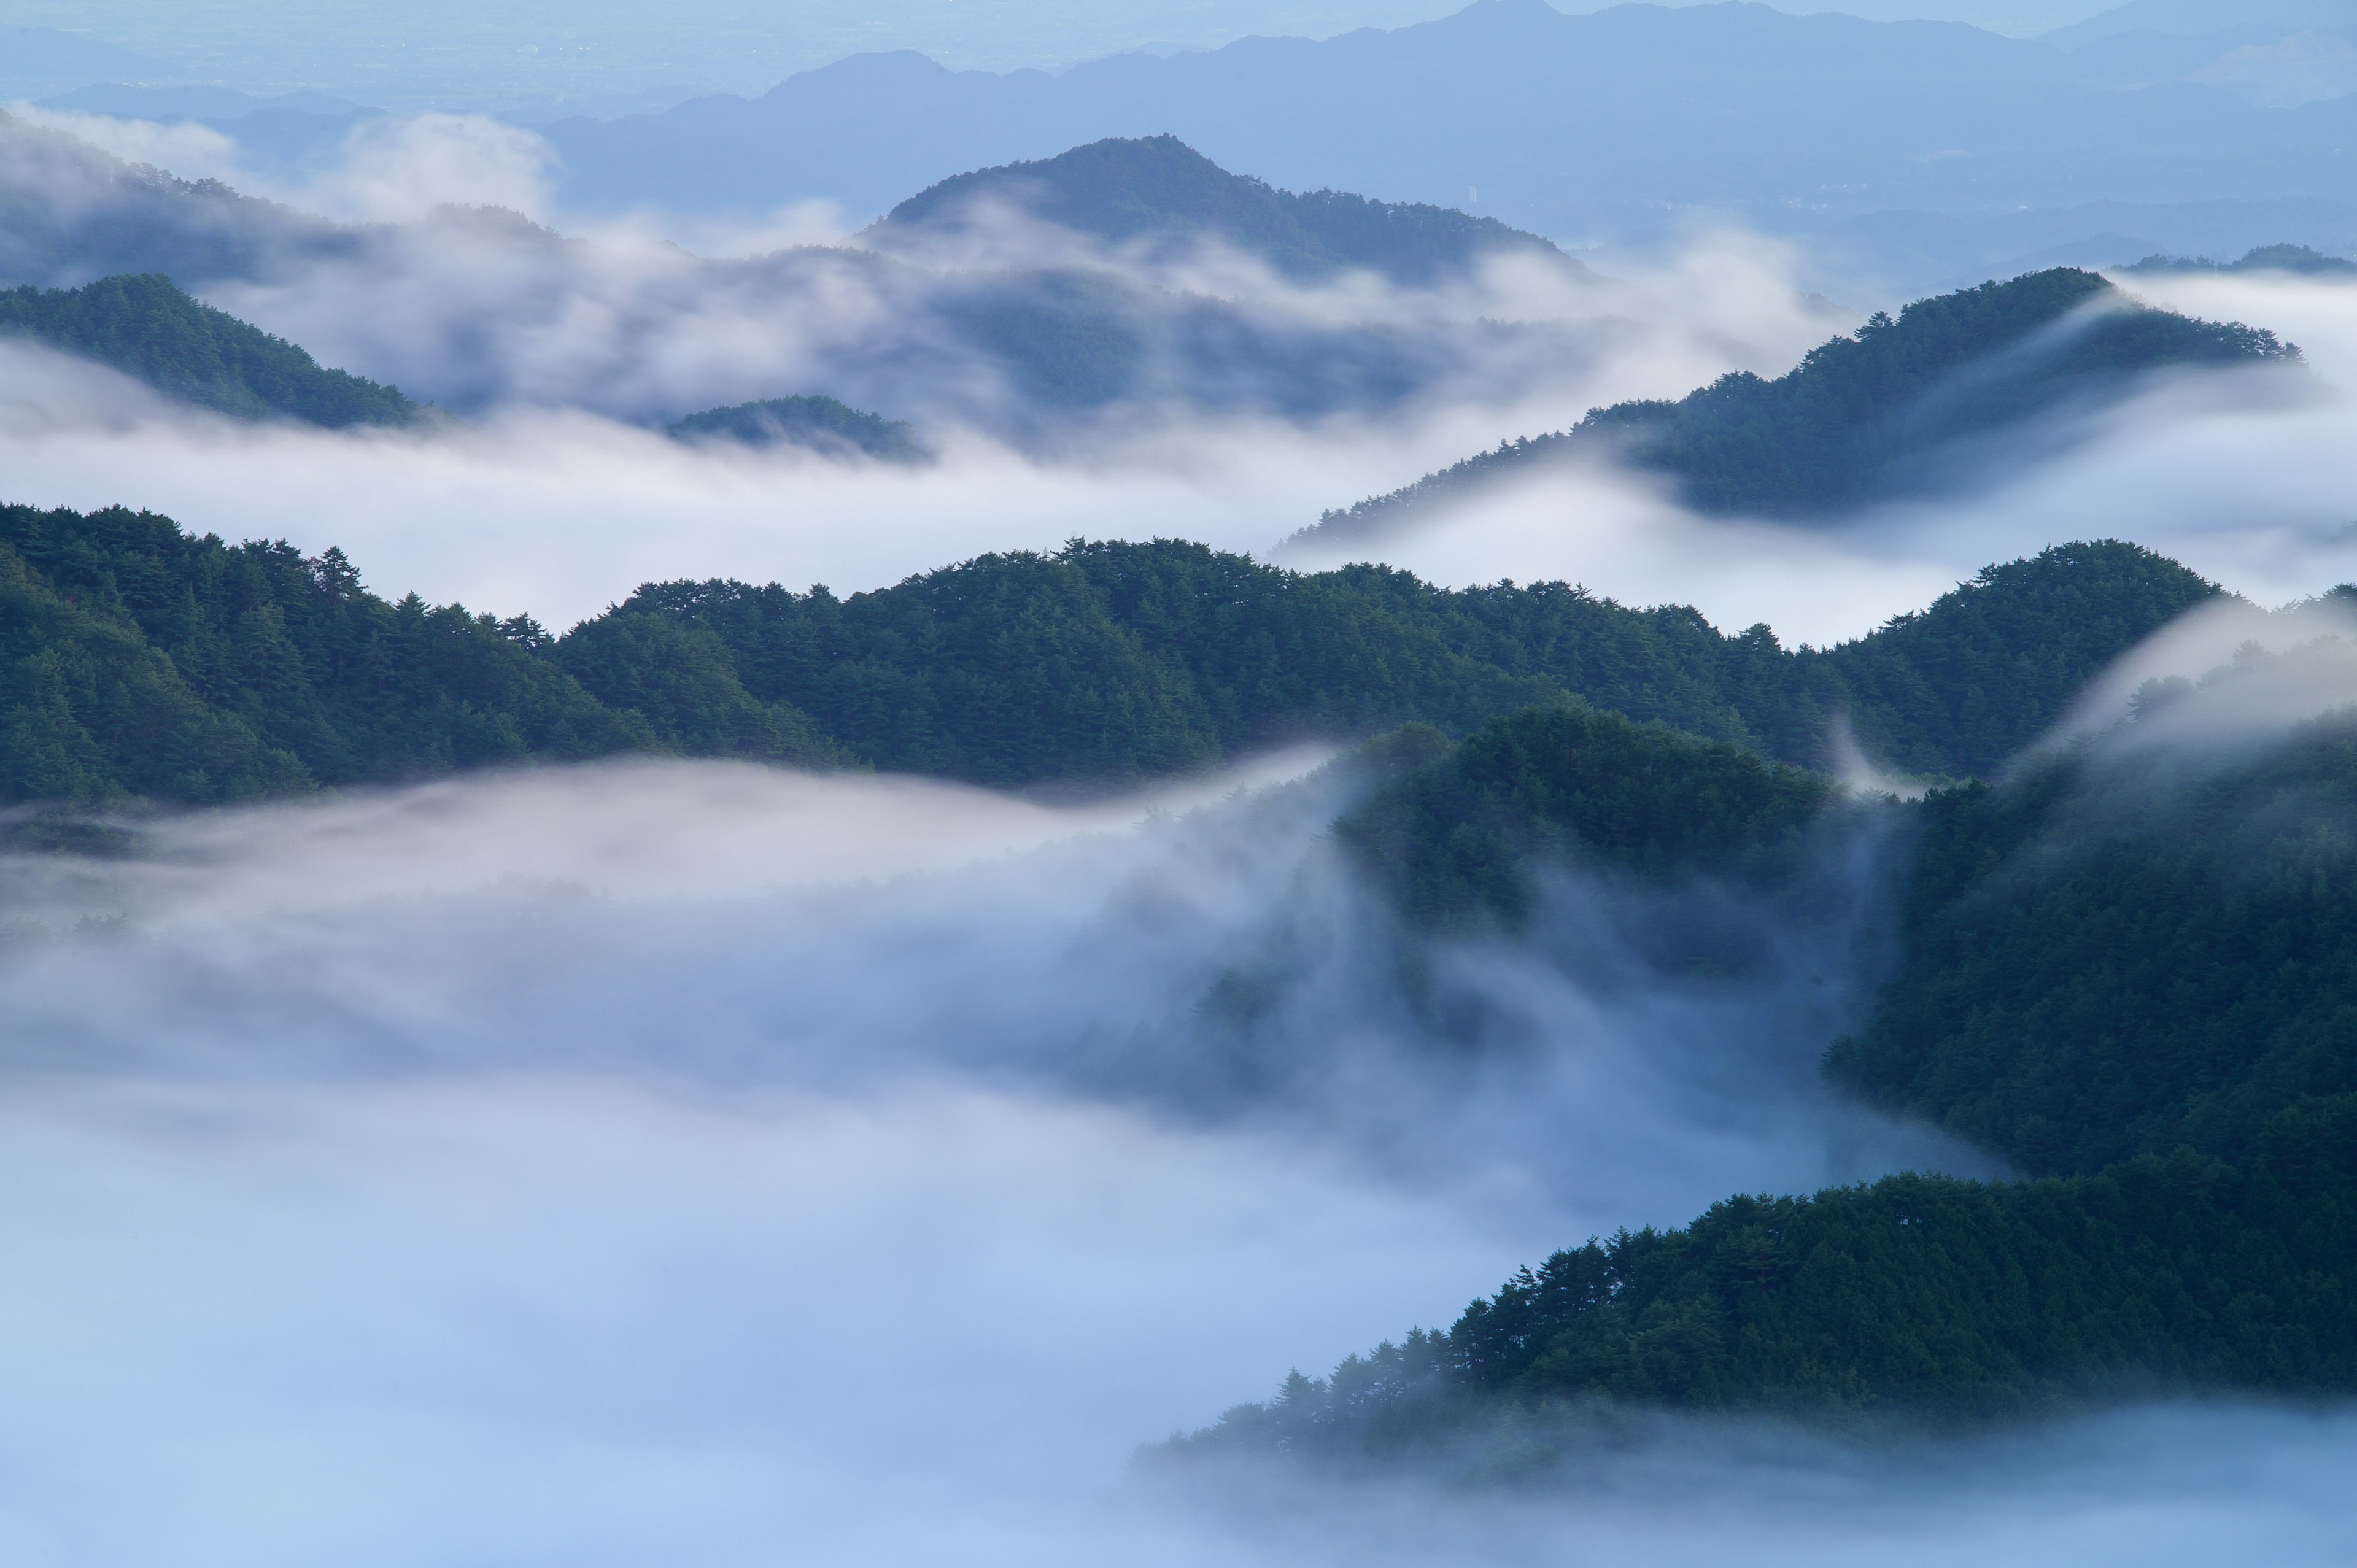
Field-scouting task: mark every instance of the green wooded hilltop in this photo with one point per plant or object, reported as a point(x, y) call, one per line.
point(821, 424)
point(145, 328)
point(2130, 971)
point(2133, 987)
point(1130, 189)
point(143, 662)
point(1870, 415)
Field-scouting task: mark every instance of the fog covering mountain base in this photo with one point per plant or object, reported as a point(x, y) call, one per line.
point(560, 1055)
point(1901, 407)
point(1159, 193)
point(145, 662)
point(2118, 967)
point(143, 326)
point(1050, 339)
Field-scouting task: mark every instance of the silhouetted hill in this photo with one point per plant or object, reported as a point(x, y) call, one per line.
point(70, 214)
point(143, 327)
point(821, 424)
point(2263, 259)
point(1029, 354)
point(1615, 122)
point(2127, 970)
point(256, 670)
point(1868, 415)
point(1157, 189)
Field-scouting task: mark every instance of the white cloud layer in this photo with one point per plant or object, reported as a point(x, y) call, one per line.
point(696, 1164)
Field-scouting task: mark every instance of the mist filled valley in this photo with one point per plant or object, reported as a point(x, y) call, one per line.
point(1048, 787)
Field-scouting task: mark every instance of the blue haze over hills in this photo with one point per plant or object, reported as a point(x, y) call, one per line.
point(1904, 155)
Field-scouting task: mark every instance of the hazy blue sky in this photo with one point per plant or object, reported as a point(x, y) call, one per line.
point(616, 53)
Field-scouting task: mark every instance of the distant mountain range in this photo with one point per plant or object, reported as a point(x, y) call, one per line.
point(1625, 124)
point(1887, 410)
point(1028, 351)
point(2297, 259)
point(1909, 156)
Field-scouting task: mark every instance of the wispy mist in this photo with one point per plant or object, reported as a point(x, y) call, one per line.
point(669, 1160)
point(584, 1160)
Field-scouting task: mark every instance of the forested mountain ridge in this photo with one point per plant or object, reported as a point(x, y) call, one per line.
point(2118, 955)
point(820, 423)
point(70, 214)
point(2128, 971)
point(1159, 191)
point(1114, 660)
point(144, 327)
point(137, 660)
point(1104, 663)
point(1460, 835)
point(2259, 259)
point(1866, 415)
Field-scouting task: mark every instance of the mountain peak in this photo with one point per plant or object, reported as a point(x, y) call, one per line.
point(1158, 190)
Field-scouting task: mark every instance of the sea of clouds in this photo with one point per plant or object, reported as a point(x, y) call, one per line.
point(712, 1166)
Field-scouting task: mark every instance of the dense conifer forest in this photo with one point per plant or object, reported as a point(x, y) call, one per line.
point(143, 661)
point(145, 328)
point(2127, 982)
point(1883, 411)
point(2126, 969)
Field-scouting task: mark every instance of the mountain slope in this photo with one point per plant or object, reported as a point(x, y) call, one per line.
point(1868, 415)
point(1105, 663)
point(1121, 660)
point(1031, 356)
point(2127, 972)
point(2260, 259)
point(2129, 951)
point(143, 327)
point(138, 660)
point(1579, 128)
point(70, 214)
point(1159, 191)
point(821, 424)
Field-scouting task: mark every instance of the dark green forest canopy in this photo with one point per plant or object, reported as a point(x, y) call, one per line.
point(1122, 661)
point(136, 660)
point(143, 327)
point(263, 671)
point(2102, 963)
point(1917, 1296)
point(821, 424)
point(1461, 833)
point(1874, 414)
point(1122, 189)
point(2133, 972)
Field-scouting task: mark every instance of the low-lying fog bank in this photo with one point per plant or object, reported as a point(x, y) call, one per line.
point(699, 1163)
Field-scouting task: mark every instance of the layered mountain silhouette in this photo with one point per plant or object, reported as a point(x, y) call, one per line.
point(819, 423)
point(1159, 193)
point(143, 327)
point(1030, 352)
point(1617, 122)
point(1883, 411)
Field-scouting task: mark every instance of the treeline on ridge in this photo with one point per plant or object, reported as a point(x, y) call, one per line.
point(1869, 415)
point(141, 661)
point(1157, 188)
point(143, 326)
point(2129, 969)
